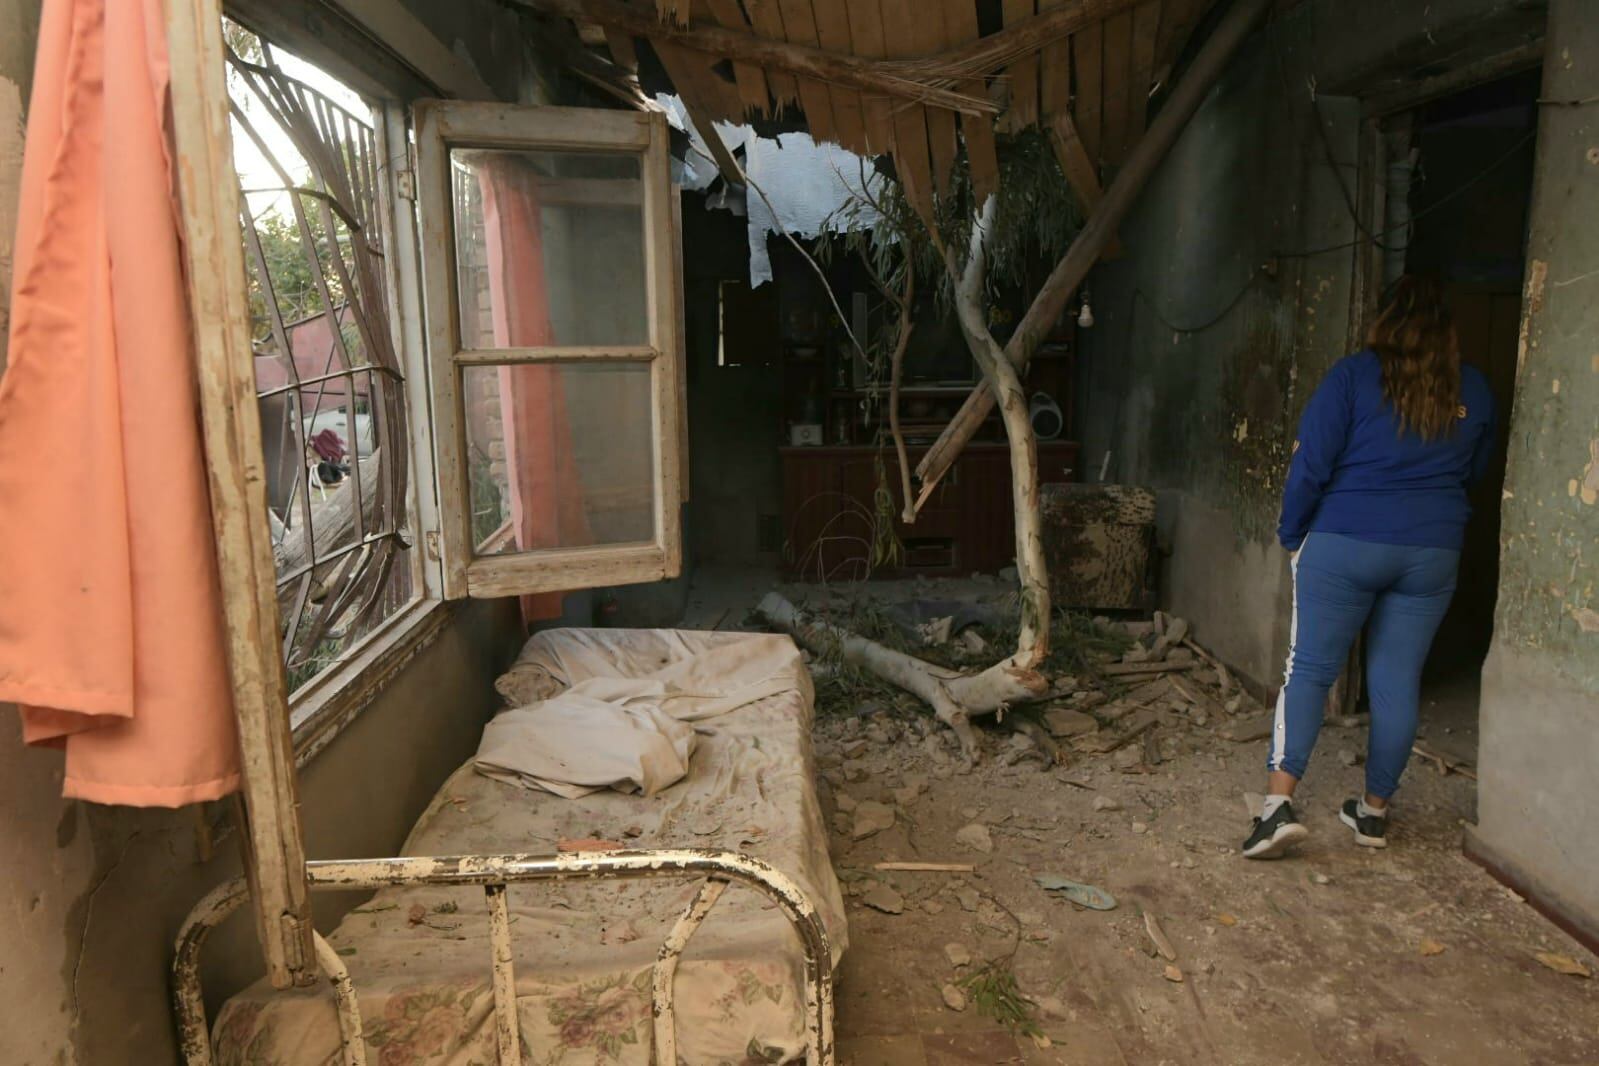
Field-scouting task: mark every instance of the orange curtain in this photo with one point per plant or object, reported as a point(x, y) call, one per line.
point(110, 613)
point(545, 488)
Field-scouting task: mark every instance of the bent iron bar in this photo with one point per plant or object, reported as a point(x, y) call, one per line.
point(494, 873)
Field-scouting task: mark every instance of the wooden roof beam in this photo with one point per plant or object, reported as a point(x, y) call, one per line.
point(899, 77)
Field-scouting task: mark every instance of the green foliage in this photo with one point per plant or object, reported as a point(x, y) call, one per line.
point(994, 992)
point(290, 266)
point(1035, 219)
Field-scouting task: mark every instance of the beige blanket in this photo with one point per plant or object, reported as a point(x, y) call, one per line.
point(627, 733)
point(420, 956)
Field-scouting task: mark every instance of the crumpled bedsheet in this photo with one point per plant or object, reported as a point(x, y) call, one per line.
point(420, 956)
point(630, 733)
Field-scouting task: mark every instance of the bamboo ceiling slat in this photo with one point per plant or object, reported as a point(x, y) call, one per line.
point(1088, 62)
point(767, 21)
point(750, 78)
point(1146, 33)
point(977, 131)
point(799, 27)
point(832, 31)
point(931, 35)
point(911, 158)
point(1022, 110)
point(866, 34)
point(1118, 77)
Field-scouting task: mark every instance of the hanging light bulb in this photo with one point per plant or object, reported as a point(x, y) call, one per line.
point(1085, 317)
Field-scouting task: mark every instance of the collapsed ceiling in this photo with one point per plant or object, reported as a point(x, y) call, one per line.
point(913, 79)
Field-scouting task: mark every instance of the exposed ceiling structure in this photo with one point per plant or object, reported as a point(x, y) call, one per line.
point(914, 79)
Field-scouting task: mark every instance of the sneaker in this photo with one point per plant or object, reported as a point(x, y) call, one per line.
point(1275, 835)
point(1369, 829)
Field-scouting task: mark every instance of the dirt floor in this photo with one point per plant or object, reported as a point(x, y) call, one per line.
point(1340, 954)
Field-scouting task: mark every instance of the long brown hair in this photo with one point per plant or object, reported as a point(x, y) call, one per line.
point(1414, 337)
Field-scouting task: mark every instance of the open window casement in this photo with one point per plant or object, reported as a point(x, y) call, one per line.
point(552, 311)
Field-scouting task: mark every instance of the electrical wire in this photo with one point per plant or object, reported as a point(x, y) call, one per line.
point(1209, 323)
point(1448, 197)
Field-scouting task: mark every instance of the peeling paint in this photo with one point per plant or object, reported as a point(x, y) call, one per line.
point(1590, 475)
point(1531, 304)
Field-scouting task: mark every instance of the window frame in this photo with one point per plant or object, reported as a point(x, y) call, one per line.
point(443, 125)
point(320, 709)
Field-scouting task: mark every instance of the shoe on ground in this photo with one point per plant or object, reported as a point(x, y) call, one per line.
point(1369, 829)
point(1275, 835)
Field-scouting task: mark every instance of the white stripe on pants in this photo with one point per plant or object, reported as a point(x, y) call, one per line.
point(1279, 725)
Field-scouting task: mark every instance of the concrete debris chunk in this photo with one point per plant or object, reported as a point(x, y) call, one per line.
point(954, 998)
point(1105, 803)
point(1066, 722)
point(976, 837)
point(957, 954)
point(883, 898)
point(872, 817)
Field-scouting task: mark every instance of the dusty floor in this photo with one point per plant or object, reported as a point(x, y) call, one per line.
point(1340, 955)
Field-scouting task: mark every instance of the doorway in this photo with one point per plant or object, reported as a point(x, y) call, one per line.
point(1458, 186)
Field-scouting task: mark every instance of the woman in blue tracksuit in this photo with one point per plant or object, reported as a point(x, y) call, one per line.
point(1374, 513)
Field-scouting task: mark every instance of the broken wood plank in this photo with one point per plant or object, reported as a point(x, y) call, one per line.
point(1157, 935)
point(726, 164)
point(749, 77)
point(622, 49)
point(1081, 174)
point(911, 159)
point(833, 34)
point(977, 131)
point(1118, 86)
point(1134, 669)
point(866, 36)
point(1055, 70)
point(926, 867)
point(931, 34)
point(1021, 109)
point(767, 22)
point(799, 27)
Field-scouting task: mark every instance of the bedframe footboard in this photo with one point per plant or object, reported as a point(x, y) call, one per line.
point(494, 872)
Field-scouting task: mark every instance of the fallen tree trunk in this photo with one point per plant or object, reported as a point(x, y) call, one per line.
point(955, 700)
point(1098, 231)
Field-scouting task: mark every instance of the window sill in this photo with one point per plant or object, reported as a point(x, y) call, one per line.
point(338, 698)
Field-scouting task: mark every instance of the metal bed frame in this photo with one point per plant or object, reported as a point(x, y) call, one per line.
point(494, 873)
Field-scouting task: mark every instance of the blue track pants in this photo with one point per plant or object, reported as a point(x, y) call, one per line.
point(1399, 594)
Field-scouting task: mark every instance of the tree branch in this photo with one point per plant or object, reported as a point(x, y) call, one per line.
point(896, 366)
point(1032, 642)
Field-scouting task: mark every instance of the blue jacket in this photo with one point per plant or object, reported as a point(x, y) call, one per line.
point(1355, 474)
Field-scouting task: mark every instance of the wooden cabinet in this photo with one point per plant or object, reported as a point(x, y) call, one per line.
point(829, 513)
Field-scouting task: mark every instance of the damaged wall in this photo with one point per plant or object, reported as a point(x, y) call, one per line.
point(1214, 326)
point(1540, 703)
point(93, 896)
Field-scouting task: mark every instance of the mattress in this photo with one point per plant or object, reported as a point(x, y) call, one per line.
point(420, 958)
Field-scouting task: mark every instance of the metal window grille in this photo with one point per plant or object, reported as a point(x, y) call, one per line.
point(329, 380)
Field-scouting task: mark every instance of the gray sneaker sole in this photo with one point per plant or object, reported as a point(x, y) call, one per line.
point(1361, 838)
